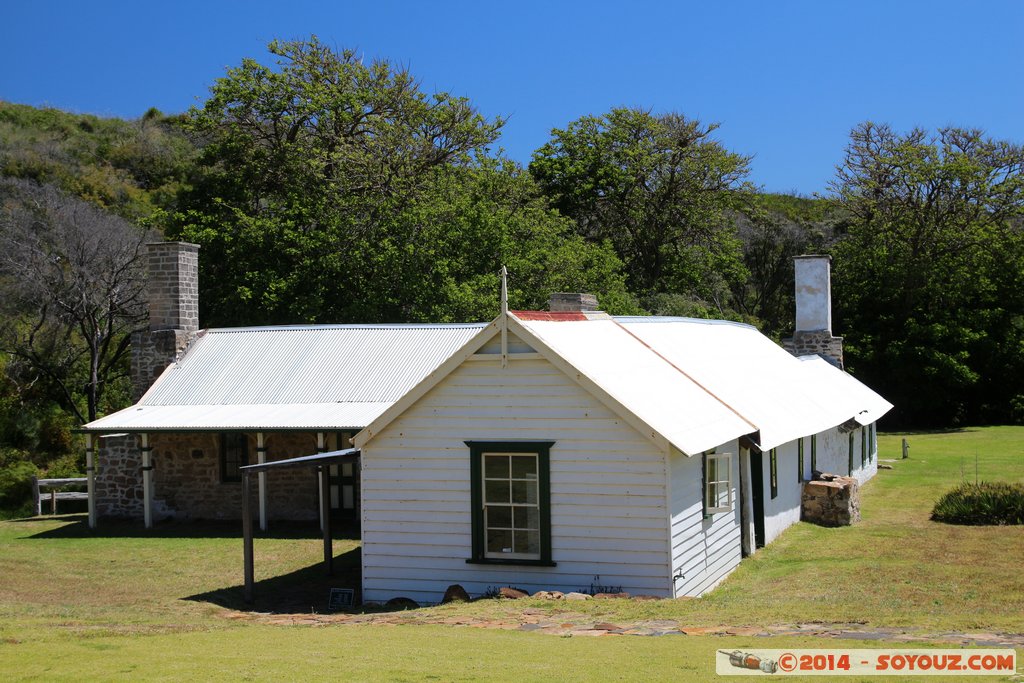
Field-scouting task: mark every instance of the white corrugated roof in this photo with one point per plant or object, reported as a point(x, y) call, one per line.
point(643, 382)
point(302, 377)
point(864, 405)
point(762, 381)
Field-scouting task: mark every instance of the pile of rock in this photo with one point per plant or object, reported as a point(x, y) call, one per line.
point(830, 500)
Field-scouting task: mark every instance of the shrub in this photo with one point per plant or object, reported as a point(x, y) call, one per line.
point(16, 486)
point(986, 503)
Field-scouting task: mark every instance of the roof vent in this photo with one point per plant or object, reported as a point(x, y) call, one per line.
point(572, 301)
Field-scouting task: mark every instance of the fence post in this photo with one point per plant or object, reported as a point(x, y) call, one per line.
point(906, 449)
point(35, 497)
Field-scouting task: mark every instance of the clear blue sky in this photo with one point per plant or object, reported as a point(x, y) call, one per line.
point(786, 80)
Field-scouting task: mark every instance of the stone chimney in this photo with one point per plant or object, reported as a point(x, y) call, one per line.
point(813, 333)
point(562, 302)
point(173, 292)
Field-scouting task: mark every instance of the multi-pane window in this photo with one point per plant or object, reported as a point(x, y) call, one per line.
point(774, 469)
point(814, 453)
point(510, 497)
point(717, 483)
point(850, 454)
point(511, 505)
point(234, 453)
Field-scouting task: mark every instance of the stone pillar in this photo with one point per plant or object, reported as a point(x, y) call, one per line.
point(813, 333)
point(571, 302)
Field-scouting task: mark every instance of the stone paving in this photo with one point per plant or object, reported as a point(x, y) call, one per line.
point(575, 624)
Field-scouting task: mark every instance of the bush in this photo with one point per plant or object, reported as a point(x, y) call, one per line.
point(16, 486)
point(987, 503)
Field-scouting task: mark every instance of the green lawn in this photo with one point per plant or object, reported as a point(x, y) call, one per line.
point(124, 603)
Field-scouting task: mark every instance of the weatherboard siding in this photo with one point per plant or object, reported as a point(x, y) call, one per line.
point(783, 510)
point(704, 550)
point(609, 517)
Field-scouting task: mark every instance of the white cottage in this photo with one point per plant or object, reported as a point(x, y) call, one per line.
point(565, 450)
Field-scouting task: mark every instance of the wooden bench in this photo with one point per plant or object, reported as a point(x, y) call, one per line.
point(53, 484)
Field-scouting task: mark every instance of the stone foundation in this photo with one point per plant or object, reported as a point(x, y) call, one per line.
point(187, 478)
point(831, 501)
point(819, 342)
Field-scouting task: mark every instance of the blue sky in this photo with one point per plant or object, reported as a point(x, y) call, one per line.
point(786, 80)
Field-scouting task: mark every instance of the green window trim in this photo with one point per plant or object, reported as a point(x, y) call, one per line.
point(800, 460)
point(814, 454)
point(477, 451)
point(863, 446)
point(773, 466)
point(850, 454)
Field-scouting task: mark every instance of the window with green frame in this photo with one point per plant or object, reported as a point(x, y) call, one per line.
point(511, 502)
point(814, 454)
point(874, 442)
point(773, 466)
point(850, 454)
point(863, 446)
point(800, 459)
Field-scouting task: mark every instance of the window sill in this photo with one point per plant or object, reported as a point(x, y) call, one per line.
point(528, 563)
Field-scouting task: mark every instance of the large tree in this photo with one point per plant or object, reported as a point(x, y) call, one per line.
point(929, 275)
point(659, 188)
point(304, 163)
point(71, 293)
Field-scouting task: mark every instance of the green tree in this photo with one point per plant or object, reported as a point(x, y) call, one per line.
point(659, 188)
point(929, 271)
point(302, 165)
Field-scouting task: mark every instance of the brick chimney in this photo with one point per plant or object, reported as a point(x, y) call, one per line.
point(813, 333)
point(173, 292)
point(562, 302)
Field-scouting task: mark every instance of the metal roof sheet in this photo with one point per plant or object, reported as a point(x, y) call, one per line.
point(860, 401)
point(323, 376)
point(748, 371)
point(646, 384)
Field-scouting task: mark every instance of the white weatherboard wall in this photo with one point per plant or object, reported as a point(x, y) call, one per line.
point(784, 509)
point(704, 551)
point(609, 518)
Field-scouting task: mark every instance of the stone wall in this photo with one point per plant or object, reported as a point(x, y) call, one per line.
point(817, 342)
point(187, 478)
point(831, 501)
point(119, 477)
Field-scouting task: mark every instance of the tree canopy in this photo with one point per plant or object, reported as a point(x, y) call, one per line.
point(657, 187)
point(930, 271)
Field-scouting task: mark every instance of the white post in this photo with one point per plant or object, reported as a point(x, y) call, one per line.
point(90, 473)
point(261, 457)
point(147, 482)
point(504, 317)
point(321, 447)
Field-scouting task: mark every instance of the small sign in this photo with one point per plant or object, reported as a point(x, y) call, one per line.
point(341, 598)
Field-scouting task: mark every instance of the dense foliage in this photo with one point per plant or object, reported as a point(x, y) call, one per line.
point(982, 503)
point(929, 269)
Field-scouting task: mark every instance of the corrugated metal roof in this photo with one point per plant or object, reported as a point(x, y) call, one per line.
point(860, 401)
point(249, 417)
point(646, 384)
point(326, 376)
point(747, 370)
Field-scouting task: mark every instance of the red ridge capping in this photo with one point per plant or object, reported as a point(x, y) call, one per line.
point(560, 316)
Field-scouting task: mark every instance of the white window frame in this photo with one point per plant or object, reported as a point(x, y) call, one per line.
point(712, 486)
point(534, 481)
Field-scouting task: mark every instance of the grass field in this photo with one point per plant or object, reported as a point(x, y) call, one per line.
point(122, 603)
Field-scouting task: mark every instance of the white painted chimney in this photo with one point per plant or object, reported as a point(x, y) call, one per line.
point(813, 333)
point(813, 275)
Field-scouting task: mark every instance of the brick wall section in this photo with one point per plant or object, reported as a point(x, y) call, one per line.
point(187, 478)
point(817, 342)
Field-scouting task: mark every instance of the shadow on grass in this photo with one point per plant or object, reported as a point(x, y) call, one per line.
point(303, 591)
point(77, 526)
